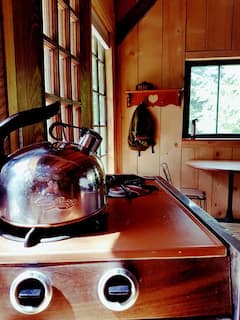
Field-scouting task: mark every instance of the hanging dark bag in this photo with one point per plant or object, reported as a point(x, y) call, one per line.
point(141, 130)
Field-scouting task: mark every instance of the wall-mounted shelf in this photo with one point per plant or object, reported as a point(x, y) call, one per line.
point(157, 97)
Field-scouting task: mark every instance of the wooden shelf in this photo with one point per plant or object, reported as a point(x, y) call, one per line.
point(157, 97)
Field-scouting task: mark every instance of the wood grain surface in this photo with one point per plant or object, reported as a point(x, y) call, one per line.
point(167, 288)
point(151, 226)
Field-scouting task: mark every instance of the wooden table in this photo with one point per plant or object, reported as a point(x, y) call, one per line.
point(229, 166)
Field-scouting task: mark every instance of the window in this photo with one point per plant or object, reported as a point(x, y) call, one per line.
point(212, 99)
point(99, 93)
point(61, 31)
point(64, 70)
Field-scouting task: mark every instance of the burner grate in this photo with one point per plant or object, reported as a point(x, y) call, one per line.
point(32, 236)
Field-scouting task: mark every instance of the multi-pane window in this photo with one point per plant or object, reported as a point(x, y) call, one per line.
point(212, 99)
point(99, 94)
point(61, 29)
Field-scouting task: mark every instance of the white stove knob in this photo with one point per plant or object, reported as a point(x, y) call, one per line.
point(118, 289)
point(30, 292)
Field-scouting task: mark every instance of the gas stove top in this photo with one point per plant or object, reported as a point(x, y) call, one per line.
point(149, 257)
point(32, 236)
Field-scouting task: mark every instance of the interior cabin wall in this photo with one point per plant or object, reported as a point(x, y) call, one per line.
point(155, 51)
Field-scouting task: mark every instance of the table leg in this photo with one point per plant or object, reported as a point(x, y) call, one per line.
point(229, 215)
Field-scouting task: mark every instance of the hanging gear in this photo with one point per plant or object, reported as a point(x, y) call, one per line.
point(141, 130)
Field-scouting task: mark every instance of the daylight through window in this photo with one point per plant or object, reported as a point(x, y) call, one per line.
point(212, 99)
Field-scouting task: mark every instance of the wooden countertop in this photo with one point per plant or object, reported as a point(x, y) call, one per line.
point(148, 227)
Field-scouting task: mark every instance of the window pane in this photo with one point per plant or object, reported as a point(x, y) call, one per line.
point(96, 115)
point(99, 96)
point(229, 99)
point(203, 98)
point(103, 111)
point(94, 45)
point(47, 18)
point(212, 98)
point(63, 75)
point(48, 69)
point(74, 35)
point(75, 80)
point(101, 77)
point(62, 58)
point(94, 73)
point(62, 24)
point(101, 52)
point(103, 133)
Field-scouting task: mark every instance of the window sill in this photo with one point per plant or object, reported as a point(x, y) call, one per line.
point(210, 142)
point(210, 139)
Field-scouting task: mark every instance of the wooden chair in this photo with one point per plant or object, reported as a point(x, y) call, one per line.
point(191, 193)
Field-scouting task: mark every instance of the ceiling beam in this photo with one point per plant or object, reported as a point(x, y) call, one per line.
point(132, 18)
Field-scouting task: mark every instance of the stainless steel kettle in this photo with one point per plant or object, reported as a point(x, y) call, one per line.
point(51, 184)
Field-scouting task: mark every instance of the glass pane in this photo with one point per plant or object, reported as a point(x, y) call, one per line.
point(94, 45)
point(203, 98)
point(103, 146)
point(74, 35)
point(63, 75)
point(47, 18)
point(101, 52)
point(48, 69)
point(62, 24)
point(101, 77)
point(75, 80)
point(96, 119)
point(229, 99)
point(103, 113)
point(94, 74)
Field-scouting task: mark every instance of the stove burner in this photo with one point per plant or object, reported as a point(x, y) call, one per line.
point(32, 236)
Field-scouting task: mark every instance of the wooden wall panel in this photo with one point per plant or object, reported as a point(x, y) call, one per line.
point(105, 10)
point(174, 19)
point(215, 184)
point(219, 195)
point(155, 51)
point(219, 24)
point(127, 72)
point(170, 140)
point(148, 163)
point(3, 95)
point(24, 62)
point(196, 25)
point(236, 26)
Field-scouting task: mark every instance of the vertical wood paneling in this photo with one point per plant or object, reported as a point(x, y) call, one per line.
point(24, 52)
point(172, 59)
point(219, 24)
point(127, 72)
point(151, 72)
point(215, 184)
point(196, 25)
point(155, 52)
point(3, 96)
point(219, 195)
point(236, 26)
point(174, 17)
point(170, 139)
point(148, 163)
point(189, 176)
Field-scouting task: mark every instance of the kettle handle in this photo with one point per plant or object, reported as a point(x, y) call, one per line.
point(25, 118)
point(63, 126)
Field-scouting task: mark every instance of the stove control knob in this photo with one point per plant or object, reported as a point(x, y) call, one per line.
point(118, 289)
point(30, 292)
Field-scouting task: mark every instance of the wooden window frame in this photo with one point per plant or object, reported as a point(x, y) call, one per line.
point(69, 76)
point(186, 113)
